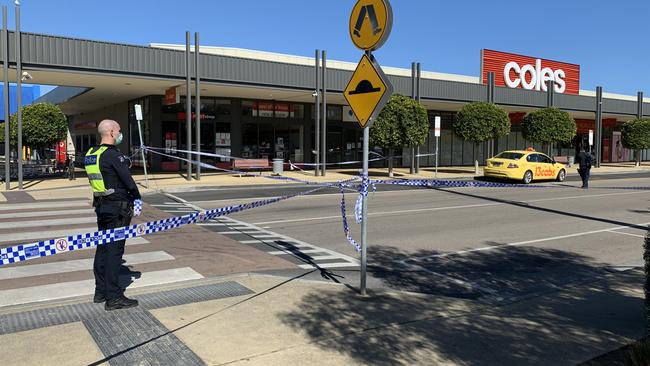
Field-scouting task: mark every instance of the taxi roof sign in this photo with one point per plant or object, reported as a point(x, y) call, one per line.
point(367, 91)
point(370, 23)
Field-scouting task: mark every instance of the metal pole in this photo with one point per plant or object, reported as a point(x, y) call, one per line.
point(417, 97)
point(197, 121)
point(639, 108)
point(144, 158)
point(412, 150)
point(364, 214)
point(324, 133)
point(188, 104)
point(599, 124)
point(437, 142)
point(317, 116)
point(19, 112)
point(5, 87)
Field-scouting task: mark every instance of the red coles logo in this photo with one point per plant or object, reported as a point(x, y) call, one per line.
point(517, 71)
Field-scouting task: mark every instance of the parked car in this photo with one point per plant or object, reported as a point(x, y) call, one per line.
point(524, 165)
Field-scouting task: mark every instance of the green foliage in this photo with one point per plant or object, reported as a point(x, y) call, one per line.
point(402, 122)
point(481, 121)
point(12, 133)
point(43, 125)
point(636, 134)
point(548, 125)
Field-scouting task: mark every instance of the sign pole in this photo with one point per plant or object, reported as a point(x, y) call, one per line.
point(437, 141)
point(364, 213)
point(138, 117)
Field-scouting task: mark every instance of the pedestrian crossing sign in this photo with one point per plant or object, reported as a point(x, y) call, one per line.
point(370, 23)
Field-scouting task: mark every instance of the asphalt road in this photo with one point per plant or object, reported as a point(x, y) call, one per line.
point(488, 243)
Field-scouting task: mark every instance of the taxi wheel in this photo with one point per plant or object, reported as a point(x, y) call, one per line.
point(561, 176)
point(528, 177)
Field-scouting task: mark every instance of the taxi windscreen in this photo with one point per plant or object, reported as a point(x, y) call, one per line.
point(509, 155)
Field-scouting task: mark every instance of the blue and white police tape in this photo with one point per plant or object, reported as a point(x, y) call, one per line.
point(45, 248)
point(346, 226)
point(137, 208)
point(238, 172)
point(436, 183)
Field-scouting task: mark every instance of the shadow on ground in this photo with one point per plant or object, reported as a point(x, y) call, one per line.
point(460, 320)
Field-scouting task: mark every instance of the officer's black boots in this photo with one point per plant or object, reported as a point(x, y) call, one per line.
point(121, 302)
point(99, 298)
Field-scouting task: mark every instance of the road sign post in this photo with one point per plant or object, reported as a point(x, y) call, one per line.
point(368, 90)
point(437, 133)
point(138, 117)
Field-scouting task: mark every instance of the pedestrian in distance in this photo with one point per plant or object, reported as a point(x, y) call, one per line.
point(114, 196)
point(584, 159)
point(70, 163)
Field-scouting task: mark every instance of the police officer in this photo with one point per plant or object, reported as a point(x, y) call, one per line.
point(114, 193)
point(584, 159)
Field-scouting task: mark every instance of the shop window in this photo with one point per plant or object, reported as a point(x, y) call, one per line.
point(248, 108)
point(264, 109)
point(223, 107)
point(281, 110)
point(334, 112)
point(297, 111)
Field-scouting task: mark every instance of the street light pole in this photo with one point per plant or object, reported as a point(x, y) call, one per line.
point(5, 88)
point(19, 113)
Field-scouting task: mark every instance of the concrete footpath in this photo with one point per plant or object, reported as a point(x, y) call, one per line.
point(262, 320)
point(42, 188)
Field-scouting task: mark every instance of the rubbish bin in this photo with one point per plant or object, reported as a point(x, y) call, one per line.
point(278, 166)
point(571, 160)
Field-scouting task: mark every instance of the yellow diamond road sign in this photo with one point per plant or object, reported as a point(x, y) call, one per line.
point(368, 91)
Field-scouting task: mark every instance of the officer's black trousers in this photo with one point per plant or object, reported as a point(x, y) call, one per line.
point(108, 257)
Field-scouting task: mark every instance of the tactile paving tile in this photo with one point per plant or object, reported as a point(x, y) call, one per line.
point(34, 319)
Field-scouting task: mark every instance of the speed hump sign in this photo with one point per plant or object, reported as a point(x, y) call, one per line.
point(367, 91)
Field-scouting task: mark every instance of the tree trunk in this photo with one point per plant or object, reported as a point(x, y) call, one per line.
point(638, 158)
point(476, 171)
point(412, 169)
point(390, 162)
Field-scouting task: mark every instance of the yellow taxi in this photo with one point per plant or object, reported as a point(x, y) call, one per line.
point(525, 165)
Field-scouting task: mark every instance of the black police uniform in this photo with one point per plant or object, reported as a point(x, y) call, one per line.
point(584, 159)
point(113, 210)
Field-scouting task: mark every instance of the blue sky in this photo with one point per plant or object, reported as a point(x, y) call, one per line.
point(608, 39)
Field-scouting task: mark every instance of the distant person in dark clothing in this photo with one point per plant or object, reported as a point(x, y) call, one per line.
point(70, 164)
point(584, 159)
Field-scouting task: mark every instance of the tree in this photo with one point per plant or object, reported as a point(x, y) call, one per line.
point(403, 122)
point(636, 136)
point(480, 121)
point(548, 126)
point(43, 125)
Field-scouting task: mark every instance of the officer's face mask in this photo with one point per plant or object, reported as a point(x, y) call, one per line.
point(118, 139)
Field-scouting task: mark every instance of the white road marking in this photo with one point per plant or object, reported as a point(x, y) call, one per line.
point(429, 209)
point(40, 205)
point(87, 287)
point(250, 241)
point(482, 249)
point(247, 232)
point(76, 265)
point(630, 234)
point(329, 265)
point(211, 224)
point(52, 222)
point(267, 236)
point(88, 211)
point(289, 251)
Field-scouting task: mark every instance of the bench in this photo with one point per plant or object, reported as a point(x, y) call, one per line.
point(250, 164)
point(562, 159)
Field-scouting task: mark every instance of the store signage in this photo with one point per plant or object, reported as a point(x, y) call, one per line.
point(591, 137)
point(370, 24)
point(517, 71)
point(436, 126)
point(367, 91)
point(172, 96)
